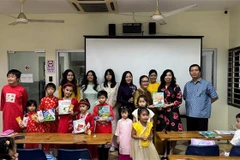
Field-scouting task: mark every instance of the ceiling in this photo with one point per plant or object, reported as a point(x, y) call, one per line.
point(63, 6)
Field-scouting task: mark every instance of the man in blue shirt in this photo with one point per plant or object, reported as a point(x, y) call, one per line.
point(199, 95)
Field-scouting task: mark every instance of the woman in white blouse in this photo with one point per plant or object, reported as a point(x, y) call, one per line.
point(90, 88)
point(111, 87)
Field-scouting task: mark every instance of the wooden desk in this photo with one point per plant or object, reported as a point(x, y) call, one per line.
point(187, 135)
point(189, 157)
point(64, 138)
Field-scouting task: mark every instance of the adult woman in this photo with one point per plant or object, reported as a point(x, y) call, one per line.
point(153, 84)
point(168, 116)
point(126, 91)
point(111, 87)
point(68, 76)
point(90, 88)
point(143, 81)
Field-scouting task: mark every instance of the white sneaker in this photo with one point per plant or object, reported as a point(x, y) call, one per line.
point(112, 149)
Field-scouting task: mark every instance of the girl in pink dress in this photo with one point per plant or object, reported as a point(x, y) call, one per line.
point(123, 133)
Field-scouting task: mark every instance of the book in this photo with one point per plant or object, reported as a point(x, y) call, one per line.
point(104, 111)
point(79, 126)
point(225, 132)
point(23, 121)
point(202, 142)
point(158, 99)
point(63, 106)
point(40, 116)
point(49, 115)
point(208, 134)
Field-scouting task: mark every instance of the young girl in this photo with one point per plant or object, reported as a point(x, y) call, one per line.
point(142, 102)
point(33, 126)
point(8, 149)
point(84, 106)
point(123, 133)
point(65, 123)
point(49, 102)
point(68, 76)
point(142, 147)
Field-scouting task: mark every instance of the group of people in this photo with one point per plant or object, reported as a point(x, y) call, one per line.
point(132, 118)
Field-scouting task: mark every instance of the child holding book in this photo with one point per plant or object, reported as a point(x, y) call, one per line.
point(84, 106)
point(13, 101)
point(32, 125)
point(103, 115)
point(123, 133)
point(46, 103)
point(142, 102)
point(142, 147)
point(65, 123)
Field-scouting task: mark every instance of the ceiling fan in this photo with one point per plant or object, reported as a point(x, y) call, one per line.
point(22, 19)
point(158, 16)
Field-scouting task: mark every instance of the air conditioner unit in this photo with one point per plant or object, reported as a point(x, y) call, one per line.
point(94, 6)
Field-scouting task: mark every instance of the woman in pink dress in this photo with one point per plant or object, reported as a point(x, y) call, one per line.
point(123, 133)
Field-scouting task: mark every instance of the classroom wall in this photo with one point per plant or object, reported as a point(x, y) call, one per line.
point(234, 41)
point(213, 25)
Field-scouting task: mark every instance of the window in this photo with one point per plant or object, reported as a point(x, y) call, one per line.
point(234, 77)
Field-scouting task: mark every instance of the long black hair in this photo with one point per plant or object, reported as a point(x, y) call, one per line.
point(6, 144)
point(123, 81)
point(84, 83)
point(113, 80)
point(163, 83)
point(30, 102)
point(64, 80)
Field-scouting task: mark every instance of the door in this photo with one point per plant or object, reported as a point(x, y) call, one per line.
point(32, 66)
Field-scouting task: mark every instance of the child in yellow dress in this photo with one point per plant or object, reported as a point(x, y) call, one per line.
point(142, 147)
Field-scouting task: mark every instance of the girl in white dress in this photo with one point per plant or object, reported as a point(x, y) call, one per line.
point(90, 88)
point(111, 87)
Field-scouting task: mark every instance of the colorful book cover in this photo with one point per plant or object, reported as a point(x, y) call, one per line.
point(49, 115)
point(79, 126)
point(63, 106)
point(104, 111)
point(158, 99)
point(208, 134)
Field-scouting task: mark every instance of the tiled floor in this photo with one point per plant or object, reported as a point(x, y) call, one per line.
point(180, 149)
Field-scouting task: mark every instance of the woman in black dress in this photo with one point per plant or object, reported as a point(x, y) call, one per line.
point(168, 117)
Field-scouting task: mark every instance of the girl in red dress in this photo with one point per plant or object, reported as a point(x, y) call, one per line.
point(84, 106)
point(32, 124)
point(49, 102)
point(65, 123)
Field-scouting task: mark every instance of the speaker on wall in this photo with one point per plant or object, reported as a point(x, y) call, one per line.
point(112, 29)
point(152, 28)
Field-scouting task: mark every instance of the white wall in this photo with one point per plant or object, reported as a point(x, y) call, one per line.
point(213, 25)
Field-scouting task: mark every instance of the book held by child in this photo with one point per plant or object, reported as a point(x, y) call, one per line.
point(64, 106)
point(104, 111)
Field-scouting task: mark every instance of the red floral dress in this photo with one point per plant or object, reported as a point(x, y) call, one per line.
point(168, 119)
point(65, 122)
point(33, 127)
point(46, 103)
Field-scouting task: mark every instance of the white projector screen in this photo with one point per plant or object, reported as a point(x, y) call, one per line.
point(139, 55)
